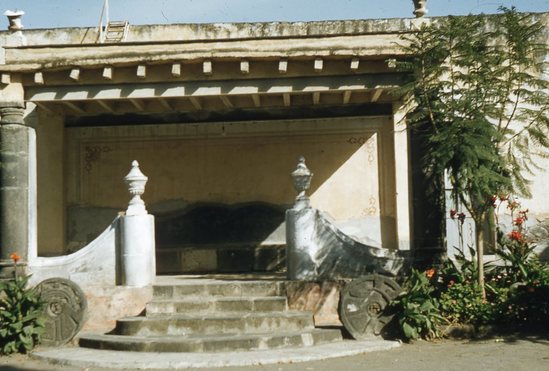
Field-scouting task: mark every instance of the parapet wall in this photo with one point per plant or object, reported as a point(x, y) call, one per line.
point(216, 31)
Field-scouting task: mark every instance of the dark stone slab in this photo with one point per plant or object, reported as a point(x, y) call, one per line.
point(363, 305)
point(235, 260)
point(203, 224)
point(270, 258)
point(65, 310)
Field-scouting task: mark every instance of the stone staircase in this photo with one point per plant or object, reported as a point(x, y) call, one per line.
point(214, 316)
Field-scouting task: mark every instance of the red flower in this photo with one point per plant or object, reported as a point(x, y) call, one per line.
point(515, 236)
point(430, 273)
point(461, 217)
point(518, 221)
point(15, 257)
point(453, 213)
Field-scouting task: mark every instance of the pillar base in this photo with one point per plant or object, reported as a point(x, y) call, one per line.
point(7, 270)
point(138, 265)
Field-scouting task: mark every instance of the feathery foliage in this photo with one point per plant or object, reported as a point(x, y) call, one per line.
point(480, 94)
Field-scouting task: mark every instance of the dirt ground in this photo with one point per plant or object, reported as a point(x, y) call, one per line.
point(529, 353)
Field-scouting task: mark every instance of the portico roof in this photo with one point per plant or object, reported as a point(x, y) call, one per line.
point(182, 67)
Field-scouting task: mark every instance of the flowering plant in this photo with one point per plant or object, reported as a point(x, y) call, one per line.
point(15, 258)
point(21, 314)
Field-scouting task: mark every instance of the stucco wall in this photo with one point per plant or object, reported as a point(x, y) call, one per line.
point(239, 162)
point(214, 31)
point(50, 178)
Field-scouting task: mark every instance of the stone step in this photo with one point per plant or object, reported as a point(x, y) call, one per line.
point(220, 323)
point(211, 344)
point(219, 288)
point(216, 304)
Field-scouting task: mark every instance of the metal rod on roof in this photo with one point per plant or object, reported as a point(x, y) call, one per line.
point(104, 10)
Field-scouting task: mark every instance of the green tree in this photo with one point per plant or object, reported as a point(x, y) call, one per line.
point(478, 90)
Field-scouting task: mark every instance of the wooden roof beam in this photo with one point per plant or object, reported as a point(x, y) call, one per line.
point(75, 107)
point(75, 74)
point(376, 95)
point(347, 96)
point(39, 78)
point(176, 69)
point(355, 62)
point(164, 103)
point(6, 78)
point(283, 66)
point(226, 101)
point(107, 73)
point(244, 67)
point(137, 104)
point(196, 103)
point(256, 99)
point(316, 97)
point(141, 71)
point(106, 106)
point(318, 65)
point(185, 89)
point(287, 99)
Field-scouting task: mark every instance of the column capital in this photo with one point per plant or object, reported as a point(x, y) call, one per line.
point(12, 112)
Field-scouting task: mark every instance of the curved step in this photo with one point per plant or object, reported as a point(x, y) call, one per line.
point(211, 304)
point(218, 288)
point(211, 344)
point(177, 324)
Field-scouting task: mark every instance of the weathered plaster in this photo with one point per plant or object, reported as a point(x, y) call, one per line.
point(50, 135)
point(216, 31)
point(198, 163)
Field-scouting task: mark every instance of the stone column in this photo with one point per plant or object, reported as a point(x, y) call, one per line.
point(300, 248)
point(138, 265)
point(300, 228)
point(17, 193)
point(402, 176)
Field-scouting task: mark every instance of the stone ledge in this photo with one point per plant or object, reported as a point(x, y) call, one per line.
point(78, 357)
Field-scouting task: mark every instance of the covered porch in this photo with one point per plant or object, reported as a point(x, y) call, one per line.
point(217, 122)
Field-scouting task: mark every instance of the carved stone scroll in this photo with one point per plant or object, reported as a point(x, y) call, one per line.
point(363, 303)
point(65, 310)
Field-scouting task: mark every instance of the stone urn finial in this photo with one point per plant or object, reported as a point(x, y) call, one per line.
point(136, 180)
point(14, 18)
point(420, 8)
point(302, 181)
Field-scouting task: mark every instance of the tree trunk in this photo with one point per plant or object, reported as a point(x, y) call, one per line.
point(479, 239)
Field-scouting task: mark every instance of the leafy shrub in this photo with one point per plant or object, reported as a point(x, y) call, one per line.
point(459, 294)
point(462, 303)
point(417, 309)
point(21, 322)
point(517, 289)
point(525, 281)
point(527, 306)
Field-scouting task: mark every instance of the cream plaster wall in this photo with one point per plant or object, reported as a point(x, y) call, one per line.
point(539, 203)
point(243, 162)
point(50, 182)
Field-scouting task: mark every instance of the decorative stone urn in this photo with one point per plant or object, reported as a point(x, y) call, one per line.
point(136, 181)
point(14, 18)
point(420, 8)
point(302, 181)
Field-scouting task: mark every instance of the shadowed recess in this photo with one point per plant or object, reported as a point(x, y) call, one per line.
point(209, 223)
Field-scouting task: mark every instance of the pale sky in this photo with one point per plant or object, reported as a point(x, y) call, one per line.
point(69, 13)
